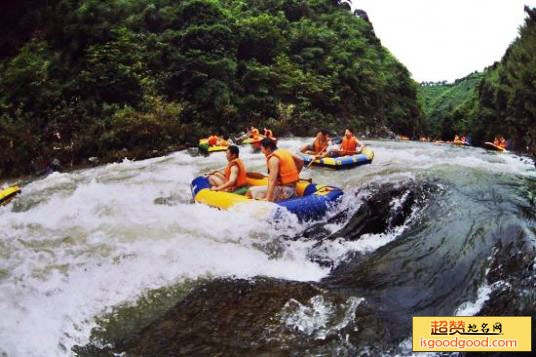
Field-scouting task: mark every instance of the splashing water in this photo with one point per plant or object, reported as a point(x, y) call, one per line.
point(73, 245)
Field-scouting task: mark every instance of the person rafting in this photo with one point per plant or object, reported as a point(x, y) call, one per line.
point(319, 145)
point(283, 168)
point(349, 145)
point(213, 140)
point(233, 177)
point(250, 132)
point(254, 133)
point(502, 142)
point(225, 140)
point(268, 134)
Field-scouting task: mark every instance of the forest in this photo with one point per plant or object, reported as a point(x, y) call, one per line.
point(139, 78)
point(501, 100)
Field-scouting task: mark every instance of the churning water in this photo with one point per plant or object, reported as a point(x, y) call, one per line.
point(73, 246)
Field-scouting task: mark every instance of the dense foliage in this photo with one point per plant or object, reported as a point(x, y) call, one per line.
point(114, 78)
point(449, 108)
point(499, 101)
point(507, 94)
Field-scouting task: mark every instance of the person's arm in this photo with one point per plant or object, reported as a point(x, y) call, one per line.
point(359, 147)
point(231, 182)
point(298, 161)
point(273, 167)
point(216, 171)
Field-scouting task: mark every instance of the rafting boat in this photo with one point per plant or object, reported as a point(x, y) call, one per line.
point(8, 193)
point(492, 146)
point(460, 142)
point(205, 147)
point(252, 140)
point(342, 162)
point(311, 202)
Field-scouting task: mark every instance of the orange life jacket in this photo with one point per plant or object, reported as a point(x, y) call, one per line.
point(241, 177)
point(319, 146)
point(349, 145)
point(288, 171)
point(212, 140)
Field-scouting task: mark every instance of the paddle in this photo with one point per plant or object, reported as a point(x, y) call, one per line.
point(315, 157)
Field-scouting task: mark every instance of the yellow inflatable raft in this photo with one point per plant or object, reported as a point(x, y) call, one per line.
point(204, 146)
point(343, 162)
point(495, 147)
point(7, 194)
point(311, 201)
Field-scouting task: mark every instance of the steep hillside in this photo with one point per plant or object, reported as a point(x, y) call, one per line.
point(449, 108)
point(136, 78)
point(507, 94)
point(499, 101)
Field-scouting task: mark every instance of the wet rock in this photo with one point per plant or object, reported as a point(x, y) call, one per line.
point(260, 317)
point(362, 14)
point(93, 160)
point(53, 166)
point(219, 318)
point(387, 207)
point(513, 280)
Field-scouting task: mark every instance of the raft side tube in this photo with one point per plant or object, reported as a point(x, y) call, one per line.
point(342, 162)
point(8, 194)
point(312, 202)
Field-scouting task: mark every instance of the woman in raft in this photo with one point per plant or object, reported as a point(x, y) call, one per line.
point(232, 178)
point(319, 145)
point(349, 145)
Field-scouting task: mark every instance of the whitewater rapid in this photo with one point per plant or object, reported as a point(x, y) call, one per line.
point(73, 245)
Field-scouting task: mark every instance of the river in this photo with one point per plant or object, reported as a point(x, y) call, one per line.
point(79, 249)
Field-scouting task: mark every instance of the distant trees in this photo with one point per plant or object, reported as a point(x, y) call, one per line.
point(499, 101)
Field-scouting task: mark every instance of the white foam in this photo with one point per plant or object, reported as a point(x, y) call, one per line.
point(471, 308)
point(319, 318)
point(81, 242)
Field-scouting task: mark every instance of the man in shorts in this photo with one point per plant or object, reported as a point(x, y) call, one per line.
point(233, 177)
point(284, 168)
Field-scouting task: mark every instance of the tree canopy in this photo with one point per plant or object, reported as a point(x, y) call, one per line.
point(105, 78)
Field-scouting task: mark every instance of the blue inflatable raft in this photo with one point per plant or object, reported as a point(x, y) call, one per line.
point(312, 201)
point(342, 162)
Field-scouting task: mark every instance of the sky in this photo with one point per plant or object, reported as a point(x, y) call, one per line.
point(445, 39)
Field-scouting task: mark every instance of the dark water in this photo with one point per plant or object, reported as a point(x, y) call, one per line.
point(425, 230)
